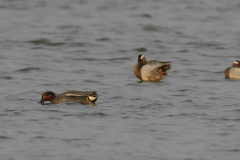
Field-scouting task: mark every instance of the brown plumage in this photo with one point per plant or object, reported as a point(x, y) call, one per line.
point(152, 70)
point(234, 71)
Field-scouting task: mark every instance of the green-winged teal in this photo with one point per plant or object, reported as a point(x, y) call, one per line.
point(86, 97)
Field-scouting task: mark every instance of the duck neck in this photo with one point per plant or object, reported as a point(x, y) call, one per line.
point(137, 70)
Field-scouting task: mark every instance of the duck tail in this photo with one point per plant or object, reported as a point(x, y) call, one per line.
point(166, 67)
point(163, 69)
point(93, 97)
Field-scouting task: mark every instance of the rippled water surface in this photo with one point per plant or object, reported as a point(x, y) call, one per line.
point(57, 45)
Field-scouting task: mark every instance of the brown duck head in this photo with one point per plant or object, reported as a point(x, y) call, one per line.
point(47, 96)
point(235, 63)
point(141, 60)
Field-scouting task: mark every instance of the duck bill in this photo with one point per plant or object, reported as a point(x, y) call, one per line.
point(41, 101)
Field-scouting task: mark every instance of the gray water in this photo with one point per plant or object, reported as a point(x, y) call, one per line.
point(57, 45)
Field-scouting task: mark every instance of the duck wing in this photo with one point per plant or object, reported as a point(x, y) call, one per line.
point(156, 64)
point(79, 93)
point(155, 70)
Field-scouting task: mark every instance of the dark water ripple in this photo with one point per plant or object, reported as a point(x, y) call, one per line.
point(7, 78)
point(4, 137)
point(29, 69)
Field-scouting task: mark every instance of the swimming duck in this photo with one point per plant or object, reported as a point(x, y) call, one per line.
point(86, 97)
point(152, 70)
point(234, 71)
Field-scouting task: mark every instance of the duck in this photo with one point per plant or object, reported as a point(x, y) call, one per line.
point(152, 70)
point(83, 97)
point(234, 71)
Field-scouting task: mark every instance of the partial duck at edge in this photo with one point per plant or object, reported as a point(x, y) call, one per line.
point(234, 71)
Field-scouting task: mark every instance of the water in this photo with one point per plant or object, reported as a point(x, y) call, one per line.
point(60, 45)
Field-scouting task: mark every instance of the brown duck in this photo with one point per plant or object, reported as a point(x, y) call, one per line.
point(234, 71)
point(152, 70)
point(86, 97)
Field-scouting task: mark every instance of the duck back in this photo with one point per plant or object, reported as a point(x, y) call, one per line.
point(150, 71)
